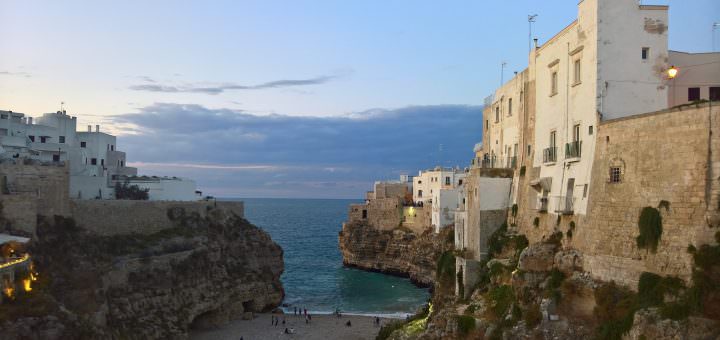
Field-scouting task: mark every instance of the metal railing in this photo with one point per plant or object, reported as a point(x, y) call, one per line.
point(550, 155)
point(541, 204)
point(511, 162)
point(564, 204)
point(573, 149)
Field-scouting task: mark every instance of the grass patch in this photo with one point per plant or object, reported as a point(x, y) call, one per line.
point(466, 324)
point(446, 267)
point(501, 298)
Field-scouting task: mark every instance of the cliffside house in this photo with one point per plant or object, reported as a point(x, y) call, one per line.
point(439, 189)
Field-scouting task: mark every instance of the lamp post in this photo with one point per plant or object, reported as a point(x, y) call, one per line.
point(672, 72)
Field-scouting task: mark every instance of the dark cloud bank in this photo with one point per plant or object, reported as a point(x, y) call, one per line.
point(229, 86)
point(235, 153)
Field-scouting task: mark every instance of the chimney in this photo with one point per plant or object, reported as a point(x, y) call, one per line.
point(89, 128)
point(536, 42)
point(97, 128)
point(29, 120)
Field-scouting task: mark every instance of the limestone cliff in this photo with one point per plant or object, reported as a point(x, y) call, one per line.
point(397, 252)
point(201, 272)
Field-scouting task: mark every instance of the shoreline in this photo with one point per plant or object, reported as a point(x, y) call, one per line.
point(322, 326)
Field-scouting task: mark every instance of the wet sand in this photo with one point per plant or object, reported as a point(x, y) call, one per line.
point(321, 327)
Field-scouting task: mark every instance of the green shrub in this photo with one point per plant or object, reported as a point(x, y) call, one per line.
point(557, 222)
point(497, 240)
point(388, 328)
point(466, 323)
point(501, 298)
point(675, 311)
point(522, 171)
point(555, 238)
point(536, 222)
point(614, 309)
point(650, 225)
point(446, 266)
point(532, 316)
point(514, 210)
point(461, 284)
point(664, 204)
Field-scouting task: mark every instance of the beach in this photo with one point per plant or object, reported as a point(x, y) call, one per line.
point(321, 327)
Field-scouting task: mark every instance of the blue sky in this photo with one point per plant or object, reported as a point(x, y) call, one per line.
point(308, 67)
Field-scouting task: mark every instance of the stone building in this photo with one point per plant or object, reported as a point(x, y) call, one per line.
point(698, 77)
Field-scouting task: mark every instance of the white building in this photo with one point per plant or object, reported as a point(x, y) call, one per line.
point(94, 161)
point(698, 77)
point(439, 188)
point(609, 63)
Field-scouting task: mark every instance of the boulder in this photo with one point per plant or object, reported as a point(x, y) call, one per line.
point(537, 257)
point(568, 261)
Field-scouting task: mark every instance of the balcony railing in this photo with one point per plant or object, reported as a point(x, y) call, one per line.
point(564, 204)
point(573, 149)
point(550, 155)
point(541, 204)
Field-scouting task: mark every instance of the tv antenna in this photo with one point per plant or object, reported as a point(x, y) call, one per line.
point(531, 20)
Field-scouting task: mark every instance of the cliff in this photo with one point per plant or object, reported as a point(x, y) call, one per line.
point(201, 272)
point(398, 252)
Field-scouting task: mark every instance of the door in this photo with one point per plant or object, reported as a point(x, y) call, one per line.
point(569, 195)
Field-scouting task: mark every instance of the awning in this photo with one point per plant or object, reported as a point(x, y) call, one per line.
point(542, 184)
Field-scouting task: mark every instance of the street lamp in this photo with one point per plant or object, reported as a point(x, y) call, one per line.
point(672, 72)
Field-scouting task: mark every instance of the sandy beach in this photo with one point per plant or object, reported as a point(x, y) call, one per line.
point(321, 327)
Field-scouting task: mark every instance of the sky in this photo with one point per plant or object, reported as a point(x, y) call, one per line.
point(274, 98)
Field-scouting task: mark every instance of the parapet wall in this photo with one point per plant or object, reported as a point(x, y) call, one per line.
point(663, 156)
point(113, 217)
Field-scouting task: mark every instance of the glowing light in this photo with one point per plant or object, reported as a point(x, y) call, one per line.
point(9, 291)
point(672, 72)
point(26, 285)
point(24, 258)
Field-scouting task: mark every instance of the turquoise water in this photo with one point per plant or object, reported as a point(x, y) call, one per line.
point(314, 278)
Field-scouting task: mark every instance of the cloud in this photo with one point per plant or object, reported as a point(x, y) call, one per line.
point(217, 89)
point(16, 74)
point(234, 152)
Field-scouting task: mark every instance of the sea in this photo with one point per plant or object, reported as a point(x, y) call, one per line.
point(314, 277)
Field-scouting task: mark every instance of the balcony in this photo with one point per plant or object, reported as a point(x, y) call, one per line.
point(564, 204)
point(541, 204)
point(550, 155)
point(573, 149)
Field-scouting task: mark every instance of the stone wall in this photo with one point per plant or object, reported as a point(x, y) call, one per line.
point(47, 183)
point(113, 217)
point(20, 211)
point(381, 213)
point(663, 156)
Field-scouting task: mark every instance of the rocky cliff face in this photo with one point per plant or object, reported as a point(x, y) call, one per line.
point(397, 252)
point(202, 272)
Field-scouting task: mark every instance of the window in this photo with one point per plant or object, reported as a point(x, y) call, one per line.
point(43, 139)
point(585, 190)
point(552, 139)
point(56, 158)
point(577, 72)
point(487, 124)
point(364, 214)
point(590, 130)
point(102, 162)
point(693, 94)
point(510, 107)
point(112, 147)
point(122, 163)
point(576, 133)
point(645, 53)
point(460, 183)
point(447, 180)
point(83, 144)
point(528, 149)
point(715, 93)
point(615, 174)
point(93, 161)
point(62, 139)
point(4, 116)
point(553, 83)
point(419, 193)
point(32, 138)
point(497, 114)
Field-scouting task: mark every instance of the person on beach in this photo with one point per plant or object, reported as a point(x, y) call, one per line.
point(272, 320)
point(348, 324)
point(283, 321)
point(377, 321)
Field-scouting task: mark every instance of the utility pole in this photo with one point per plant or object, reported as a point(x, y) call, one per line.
point(715, 26)
point(531, 20)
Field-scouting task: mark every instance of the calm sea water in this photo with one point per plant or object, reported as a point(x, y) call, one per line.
point(314, 278)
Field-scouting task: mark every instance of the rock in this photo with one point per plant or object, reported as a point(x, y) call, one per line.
point(201, 273)
point(401, 253)
point(568, 261)
point(648, 324)
point(537, 257)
